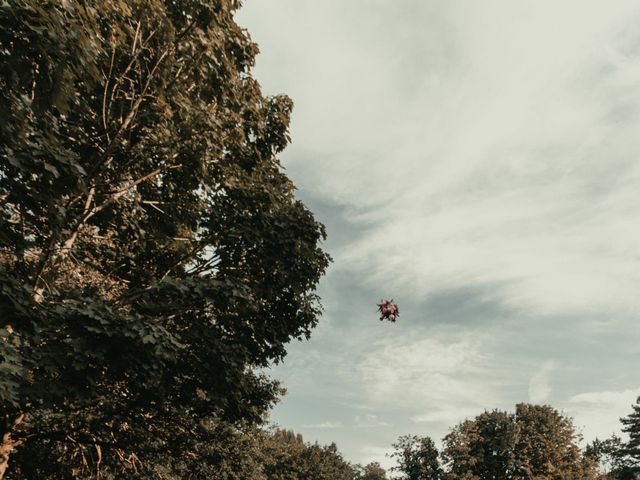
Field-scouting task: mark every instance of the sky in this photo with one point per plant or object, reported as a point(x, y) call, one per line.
point(478, 163)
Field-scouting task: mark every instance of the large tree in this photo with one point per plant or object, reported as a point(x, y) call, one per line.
point(534, 443)
point(546, 445)
point(152, 252)
point(482, 448)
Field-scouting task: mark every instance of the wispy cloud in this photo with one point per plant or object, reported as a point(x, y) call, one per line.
point(369, 420)
point(494, 154)
point(477, 160)
point(327, 424)
point(540, 384)
point(377, 453)
point(423, 376)
point(359, 421)
point(597, 414)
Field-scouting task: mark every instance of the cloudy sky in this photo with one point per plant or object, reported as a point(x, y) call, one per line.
point(478, 162)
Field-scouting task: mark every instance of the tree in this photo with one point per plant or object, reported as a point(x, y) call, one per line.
point(288, 457)
point(535, 442)
point(618, 459)
point(630, 450)
point(417, 458)
point(152, 252)
point(371, 471)
point(326, 463)
point(482, 448)
point(210, 449)
point(284, 450)
point(546, 445)
point(609, 455)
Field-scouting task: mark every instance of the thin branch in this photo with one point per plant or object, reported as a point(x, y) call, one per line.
point(107, 156)
point(153, 204)
point(128, 68)
point(119, 193)
point(86, 439)
point(68, 244)
point(135, 38)
point(210, 263)
point(130, 297)
point(106, 90)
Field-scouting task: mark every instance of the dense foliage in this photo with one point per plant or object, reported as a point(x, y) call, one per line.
point(535, 442)
point(619, 459)
point(152, 252)
point(289, 458)
point(371, 471)
point(220, 451)
point(417, 458)
point(630, 450)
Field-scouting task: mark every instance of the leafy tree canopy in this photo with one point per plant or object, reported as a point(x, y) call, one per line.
point(535, 442)
point(371, 471)
point(417, 458)
point(152, 252)
point(288, 457)
point(613, 463)
point(619, 459)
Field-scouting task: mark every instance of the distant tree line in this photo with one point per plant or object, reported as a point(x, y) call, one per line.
point(533, 443)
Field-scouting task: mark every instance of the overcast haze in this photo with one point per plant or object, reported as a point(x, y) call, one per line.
point(478, 162)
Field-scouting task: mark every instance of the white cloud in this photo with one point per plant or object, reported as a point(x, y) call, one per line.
point(597, 414)
point(369, 420)
point(423, 374)
point(327, 424)
point(376, 453)
point(450, 415)
point(540, 384)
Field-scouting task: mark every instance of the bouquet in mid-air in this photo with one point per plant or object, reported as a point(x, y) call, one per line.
point(388, 310)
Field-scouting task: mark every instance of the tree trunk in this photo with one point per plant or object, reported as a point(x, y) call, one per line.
point(8, 444)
